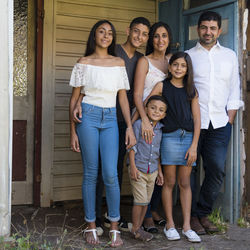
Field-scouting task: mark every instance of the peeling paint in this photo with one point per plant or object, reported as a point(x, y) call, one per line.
point(245, 23)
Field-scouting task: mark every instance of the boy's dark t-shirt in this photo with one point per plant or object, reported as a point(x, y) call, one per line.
point(130, 64)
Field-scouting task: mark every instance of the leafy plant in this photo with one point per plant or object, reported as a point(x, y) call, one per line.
point(19, 242)
point(217, 219)
point(241, 222)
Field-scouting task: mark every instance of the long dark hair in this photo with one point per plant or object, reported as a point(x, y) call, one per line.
point(91, 44)
point(154, 27)
point(188, 80)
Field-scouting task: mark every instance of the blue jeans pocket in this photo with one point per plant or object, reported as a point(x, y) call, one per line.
point(86, 108)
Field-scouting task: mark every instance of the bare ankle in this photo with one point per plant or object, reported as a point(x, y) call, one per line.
point(170, 225)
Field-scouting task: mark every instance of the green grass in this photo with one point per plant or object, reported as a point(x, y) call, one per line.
point(241, 222)
point(217, 219)
point(18, 242)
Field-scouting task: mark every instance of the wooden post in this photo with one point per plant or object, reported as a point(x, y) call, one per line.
point(6, 113)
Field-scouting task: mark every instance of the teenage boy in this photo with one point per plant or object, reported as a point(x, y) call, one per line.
point(137, 35)
point(144, 165)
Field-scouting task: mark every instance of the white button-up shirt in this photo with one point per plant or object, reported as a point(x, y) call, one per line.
point(216, 77)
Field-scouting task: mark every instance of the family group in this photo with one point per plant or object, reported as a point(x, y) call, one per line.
point(162, 109)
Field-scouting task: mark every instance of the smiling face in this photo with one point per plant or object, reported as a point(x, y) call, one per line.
point(160, 39)
point(178, 68)
point(208, 32)
point(156, 110)
point(138, 35)
point(103, 36)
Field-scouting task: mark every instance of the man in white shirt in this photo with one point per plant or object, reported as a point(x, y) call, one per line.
point(216, 78)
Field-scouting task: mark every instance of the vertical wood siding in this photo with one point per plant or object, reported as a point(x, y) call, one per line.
point(73, 20)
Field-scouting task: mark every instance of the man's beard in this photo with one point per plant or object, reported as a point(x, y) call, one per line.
point(212, 40)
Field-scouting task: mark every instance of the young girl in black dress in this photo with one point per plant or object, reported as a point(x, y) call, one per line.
point(180, 139)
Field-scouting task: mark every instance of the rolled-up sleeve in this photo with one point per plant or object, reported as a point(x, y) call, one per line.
point(234, 99)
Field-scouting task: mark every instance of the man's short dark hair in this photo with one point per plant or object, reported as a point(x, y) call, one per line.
point(210, 16)
point(140, 20)
point(157, 98)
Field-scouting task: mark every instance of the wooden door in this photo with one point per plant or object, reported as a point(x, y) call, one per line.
point(66, 28)
point(23, 102)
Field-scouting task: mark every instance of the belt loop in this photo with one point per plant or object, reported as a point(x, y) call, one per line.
point(182, 132)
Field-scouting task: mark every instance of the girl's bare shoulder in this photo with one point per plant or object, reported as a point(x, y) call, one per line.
point(168, 56)
point(118, 61)
point(109, 61)
point(159, 85)
point(83, 60)
point(143, 61)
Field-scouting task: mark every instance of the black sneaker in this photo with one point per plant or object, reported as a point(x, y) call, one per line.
point(106, 222)
point(122, 224)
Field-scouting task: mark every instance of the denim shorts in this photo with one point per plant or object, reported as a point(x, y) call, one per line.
point(174, 146)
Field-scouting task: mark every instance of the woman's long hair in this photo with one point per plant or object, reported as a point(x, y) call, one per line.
point(154, 27)
point(188, 80)
point(91, 44)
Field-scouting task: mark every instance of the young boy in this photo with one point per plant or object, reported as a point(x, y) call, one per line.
point(144, 165)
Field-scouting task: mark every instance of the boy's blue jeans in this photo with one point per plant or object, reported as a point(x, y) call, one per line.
point(98, 131)
point(212, 147)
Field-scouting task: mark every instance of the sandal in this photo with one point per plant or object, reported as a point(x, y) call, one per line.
point(140, 234)
point(160, 222)
point(91, 238)
point(115, 241)
point(151, 229)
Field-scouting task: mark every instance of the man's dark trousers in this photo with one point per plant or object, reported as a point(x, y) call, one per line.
point(213, 144)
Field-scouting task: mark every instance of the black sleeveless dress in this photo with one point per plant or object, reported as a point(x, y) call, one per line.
point(178, 126)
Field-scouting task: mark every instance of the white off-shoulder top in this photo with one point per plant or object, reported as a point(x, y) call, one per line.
point(100, 84)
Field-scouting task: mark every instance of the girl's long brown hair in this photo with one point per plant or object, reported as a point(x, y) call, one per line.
point(188, 80)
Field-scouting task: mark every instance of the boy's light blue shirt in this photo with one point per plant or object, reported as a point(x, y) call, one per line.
point(147, 155)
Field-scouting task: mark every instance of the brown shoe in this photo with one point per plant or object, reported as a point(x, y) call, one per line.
point(196, 226)
point(208, 225)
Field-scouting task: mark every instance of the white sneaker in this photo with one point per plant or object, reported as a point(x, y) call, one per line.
point(99, 231)
point(171, 233)
point(191, 236)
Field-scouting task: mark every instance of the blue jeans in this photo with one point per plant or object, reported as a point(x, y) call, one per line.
point(100, 185)
point(212, 147)
point(98, 131)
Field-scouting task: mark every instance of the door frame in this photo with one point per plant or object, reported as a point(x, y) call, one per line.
point(233, 180)
point(38, 103)
point(47, 124)
point(234, 176)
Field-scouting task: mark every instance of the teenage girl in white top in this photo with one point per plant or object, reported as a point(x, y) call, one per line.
point(150, 70)
point(99, 75)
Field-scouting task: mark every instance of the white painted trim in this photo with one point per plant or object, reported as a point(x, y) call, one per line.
point(10, 80)
point(6, 113)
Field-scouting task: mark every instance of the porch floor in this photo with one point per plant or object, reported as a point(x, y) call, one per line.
point(61, 226)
